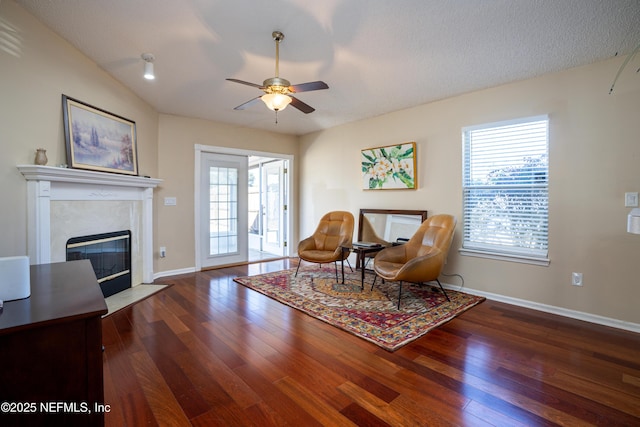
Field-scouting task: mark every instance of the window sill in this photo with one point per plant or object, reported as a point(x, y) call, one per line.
point(505, 257)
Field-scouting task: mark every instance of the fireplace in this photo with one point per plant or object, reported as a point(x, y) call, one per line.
point(63, 203)
point(110, 256)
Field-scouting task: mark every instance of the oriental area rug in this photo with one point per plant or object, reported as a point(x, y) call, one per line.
point(370, 315)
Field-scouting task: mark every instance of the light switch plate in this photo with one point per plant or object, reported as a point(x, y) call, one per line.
point(630, 200)
point(170, 201)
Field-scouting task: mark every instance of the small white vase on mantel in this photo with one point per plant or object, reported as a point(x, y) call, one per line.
point(41, 157)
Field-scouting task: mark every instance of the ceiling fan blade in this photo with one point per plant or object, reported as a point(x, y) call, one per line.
point(307, 87)
point(242, 82)
point(247, 104)
point(305, 108)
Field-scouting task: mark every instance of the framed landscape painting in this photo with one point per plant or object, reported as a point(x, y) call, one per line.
point(392, 167)
point(98, 140)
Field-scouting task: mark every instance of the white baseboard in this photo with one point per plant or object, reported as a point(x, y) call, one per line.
point(174, 272)
point(587, 317)
point(574, 314)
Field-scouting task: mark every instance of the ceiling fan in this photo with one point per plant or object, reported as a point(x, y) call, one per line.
point(277, 91)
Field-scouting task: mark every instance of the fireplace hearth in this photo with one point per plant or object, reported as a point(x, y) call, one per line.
point(110, 256)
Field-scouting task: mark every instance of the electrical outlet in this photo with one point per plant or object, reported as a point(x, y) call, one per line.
point(576, 279)
point(630, 200)
point(163, 252)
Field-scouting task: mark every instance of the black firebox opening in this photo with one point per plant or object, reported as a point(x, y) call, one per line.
point(110, 256)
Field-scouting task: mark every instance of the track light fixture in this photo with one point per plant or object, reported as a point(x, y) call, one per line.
point(148, 66)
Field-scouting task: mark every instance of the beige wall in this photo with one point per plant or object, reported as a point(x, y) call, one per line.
point(36, 68)
point(595, 152)
point(178, 137)
point(35, 74)
point(594, 160)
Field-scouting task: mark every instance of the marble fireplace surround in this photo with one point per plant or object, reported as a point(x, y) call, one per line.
point(64, 203)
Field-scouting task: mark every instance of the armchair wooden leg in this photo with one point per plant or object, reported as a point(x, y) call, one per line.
point(375, 277)
point(441, 288)
point(399, 295)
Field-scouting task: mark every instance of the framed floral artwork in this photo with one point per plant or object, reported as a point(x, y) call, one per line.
point(98, 140)
point(392, 167)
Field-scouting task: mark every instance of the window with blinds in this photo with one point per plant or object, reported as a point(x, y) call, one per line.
point(505, 189)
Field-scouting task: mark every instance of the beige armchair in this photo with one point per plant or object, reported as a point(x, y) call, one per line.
point(421, 259)
point(325, 244)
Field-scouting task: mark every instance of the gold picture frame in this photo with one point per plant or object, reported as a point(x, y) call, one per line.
point(98, 140)
point(392, 167)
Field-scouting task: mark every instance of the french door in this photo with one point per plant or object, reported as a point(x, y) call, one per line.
point(223, 207)
point(275, 207)
point(267, 207)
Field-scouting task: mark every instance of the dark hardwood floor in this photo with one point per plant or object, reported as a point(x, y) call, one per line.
point(208, 352)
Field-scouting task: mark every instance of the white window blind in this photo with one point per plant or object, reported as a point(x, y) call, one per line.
point(505, 188)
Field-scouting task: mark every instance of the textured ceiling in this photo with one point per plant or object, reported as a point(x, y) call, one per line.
point(376, 56)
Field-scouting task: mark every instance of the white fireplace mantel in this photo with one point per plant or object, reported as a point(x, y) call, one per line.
point(47, 183)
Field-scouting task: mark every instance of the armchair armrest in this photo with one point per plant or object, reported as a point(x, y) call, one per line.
point(423, 268)
point(394, 254)
point(306, 244)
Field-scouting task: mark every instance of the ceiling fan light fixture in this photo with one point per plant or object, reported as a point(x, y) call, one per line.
point(276, 101)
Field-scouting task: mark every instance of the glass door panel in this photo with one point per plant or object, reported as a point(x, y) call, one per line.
point(274, 207)
point(224, 180)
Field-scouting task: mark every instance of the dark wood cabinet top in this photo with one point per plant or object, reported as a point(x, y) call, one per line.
point(60, 292)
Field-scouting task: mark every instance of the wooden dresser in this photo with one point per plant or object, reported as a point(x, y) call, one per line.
point(51, 349)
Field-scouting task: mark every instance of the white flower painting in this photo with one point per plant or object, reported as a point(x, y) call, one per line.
point(390, 167)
